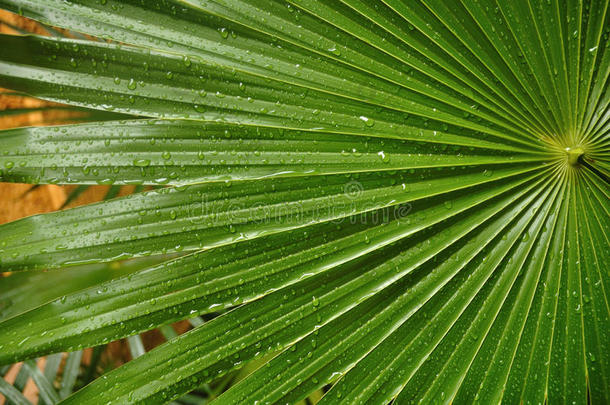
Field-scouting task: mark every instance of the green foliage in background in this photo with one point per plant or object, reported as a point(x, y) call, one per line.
point(406, 200)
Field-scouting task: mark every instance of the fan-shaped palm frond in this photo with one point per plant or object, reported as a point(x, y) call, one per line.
point(405, 199)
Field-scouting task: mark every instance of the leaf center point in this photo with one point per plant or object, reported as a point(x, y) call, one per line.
point(574, 155)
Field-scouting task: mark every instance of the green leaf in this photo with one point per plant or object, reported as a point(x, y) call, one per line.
point(234, 274)
point(202, 27)
point(157, 84)
point(179, 152)
point(341, 345)
point(405, 200)
point(12, 394)
point(21, 291)
point(70, 373)
point(47, 393)
point(195, 217)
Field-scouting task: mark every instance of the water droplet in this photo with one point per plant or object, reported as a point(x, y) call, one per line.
point(367, 121)
point(141, 162)
point(334, 50)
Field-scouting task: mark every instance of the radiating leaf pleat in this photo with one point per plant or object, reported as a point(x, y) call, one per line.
point(195, 217)
point(593, 231)
point(181, 152)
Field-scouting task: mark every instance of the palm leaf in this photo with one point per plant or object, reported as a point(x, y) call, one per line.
point(405, 200)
